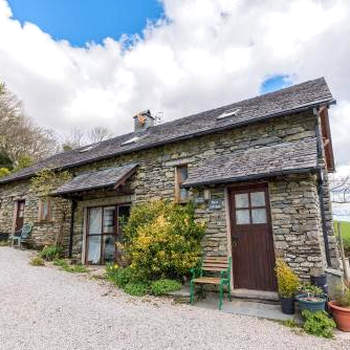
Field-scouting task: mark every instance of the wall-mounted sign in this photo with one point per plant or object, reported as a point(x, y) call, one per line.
point(215, 204)
point(199, 200)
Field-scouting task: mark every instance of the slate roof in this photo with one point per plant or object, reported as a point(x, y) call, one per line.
point(284, 158)
point(97, 179)
point(290, 100)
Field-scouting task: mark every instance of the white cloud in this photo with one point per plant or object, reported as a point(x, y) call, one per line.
point(209, 52)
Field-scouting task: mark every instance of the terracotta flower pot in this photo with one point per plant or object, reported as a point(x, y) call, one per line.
point(341, 316)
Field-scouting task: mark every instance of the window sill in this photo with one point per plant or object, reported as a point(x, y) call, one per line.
point(44, 222)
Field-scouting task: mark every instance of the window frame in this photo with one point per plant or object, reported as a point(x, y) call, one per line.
point(178, 182)
point(41, 210)
point(116, 229)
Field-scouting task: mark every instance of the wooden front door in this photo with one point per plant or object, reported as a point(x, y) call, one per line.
point(253, 258)
point(20, 215)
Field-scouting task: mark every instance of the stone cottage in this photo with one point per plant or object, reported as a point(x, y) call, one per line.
point(257, 171)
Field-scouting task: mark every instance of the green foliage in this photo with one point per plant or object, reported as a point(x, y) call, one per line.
point(60, 262)
point(311, 290)
point(51, 252)
point(164, 286)
point(136, 288)
point(288, 281)
point(23, 162)
point(47, 180)
point(5, 161)
point(318, 323)
point(162, 240)
point(65, 266)
point(37, 261)
point(4, 172)
point(120, 276)
point(4, 243)
point(43, 184)
point(290, 323)
point(342, 296)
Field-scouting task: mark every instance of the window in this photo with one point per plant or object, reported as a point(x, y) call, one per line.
point(181, 194)
point(104, 230)
point(250, 208)
point(45, 210)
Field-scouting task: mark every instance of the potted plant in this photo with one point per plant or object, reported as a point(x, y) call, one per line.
point(340, 308)
point(288, 283)
point(311, 298)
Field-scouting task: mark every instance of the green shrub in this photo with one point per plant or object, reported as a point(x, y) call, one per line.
point(162, 240)
point(136, 288)
point(51, 252)
point(4, 172)
point(288, 281)
point(318, 323)
point(37, 261)
point(164, 286)
point(120, 276)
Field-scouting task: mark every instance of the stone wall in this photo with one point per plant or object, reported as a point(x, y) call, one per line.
point(294, 203)
point(44, 232)
point(296, 223)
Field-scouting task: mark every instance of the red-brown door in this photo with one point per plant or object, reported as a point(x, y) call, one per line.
point(253, 258)
point(20, 215)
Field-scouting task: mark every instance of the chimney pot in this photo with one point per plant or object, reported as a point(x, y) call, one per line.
point(143, 121)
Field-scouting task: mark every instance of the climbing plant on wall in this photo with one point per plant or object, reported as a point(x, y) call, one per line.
point(43, 184)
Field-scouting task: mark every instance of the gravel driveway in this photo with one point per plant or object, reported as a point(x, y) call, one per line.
point(43, 308)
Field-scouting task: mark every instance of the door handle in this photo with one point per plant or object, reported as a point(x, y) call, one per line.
point(234, 242)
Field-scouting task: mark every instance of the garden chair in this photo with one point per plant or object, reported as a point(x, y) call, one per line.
point(212, 266)
point(21, 235)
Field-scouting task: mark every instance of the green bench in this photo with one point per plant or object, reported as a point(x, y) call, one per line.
point(212, 270)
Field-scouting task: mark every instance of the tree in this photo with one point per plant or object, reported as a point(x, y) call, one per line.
point(98, 134)
point(79, 138)
point(19, 137)
point(43, 185)
point(4, 172)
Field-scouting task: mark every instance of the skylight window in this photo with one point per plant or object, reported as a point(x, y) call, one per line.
point(229, 113)
point(132, 140)
point(87, 148)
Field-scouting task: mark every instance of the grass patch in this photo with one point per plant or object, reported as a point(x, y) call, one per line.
point(65, 266)
point(4, 243)
point(37, 261)
point(345, 227)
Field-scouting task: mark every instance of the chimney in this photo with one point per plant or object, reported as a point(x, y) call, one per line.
point(143, 121)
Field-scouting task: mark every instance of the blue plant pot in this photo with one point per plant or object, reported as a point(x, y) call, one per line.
point(312, 306)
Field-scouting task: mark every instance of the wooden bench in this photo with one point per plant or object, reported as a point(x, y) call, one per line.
point(205, 274)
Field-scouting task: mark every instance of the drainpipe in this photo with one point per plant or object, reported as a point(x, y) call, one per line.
point(320, 187)
point(71, 234)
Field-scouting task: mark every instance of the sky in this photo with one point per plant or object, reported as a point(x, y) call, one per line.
point(86, 63)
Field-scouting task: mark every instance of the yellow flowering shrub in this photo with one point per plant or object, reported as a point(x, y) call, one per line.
point(162, 240)
point(288, 281)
